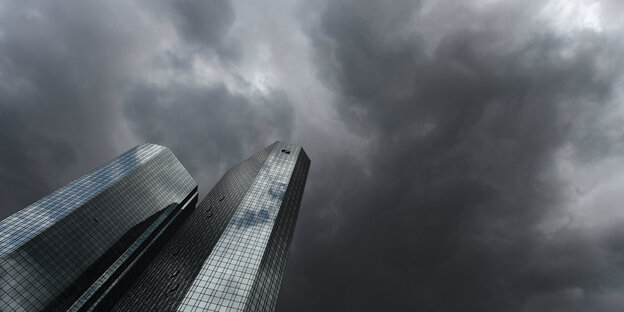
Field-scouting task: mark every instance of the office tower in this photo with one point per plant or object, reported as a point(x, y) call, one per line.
point(230, 253)
point(127, 237)
point(87, 235)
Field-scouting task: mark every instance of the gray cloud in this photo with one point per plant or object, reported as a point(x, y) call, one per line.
point(201, 25)
point(463, 138)
point(203, 21)
point(464, 154)
point(59, 67)
point(77, 81)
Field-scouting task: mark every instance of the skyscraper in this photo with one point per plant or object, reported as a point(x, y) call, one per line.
point(228, 254)
point(54, 250)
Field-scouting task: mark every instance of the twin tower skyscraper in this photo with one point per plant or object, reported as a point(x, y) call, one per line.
point(130, 236)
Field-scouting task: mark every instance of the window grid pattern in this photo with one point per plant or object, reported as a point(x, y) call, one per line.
point(130, 272)
point(265, 290)
point(49, 246)
point(161, 287)
point(34, 219)
point(167, 217)
point(226, 278)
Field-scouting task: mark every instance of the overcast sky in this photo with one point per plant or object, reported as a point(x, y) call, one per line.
point(466, 155)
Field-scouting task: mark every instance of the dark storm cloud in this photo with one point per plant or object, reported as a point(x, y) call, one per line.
point(443, 213)
point(434, 197)
point(58, 65)
point(26, 159)
point(209, 127)
point(203, 21)
point(77, 88)
point(201, 24)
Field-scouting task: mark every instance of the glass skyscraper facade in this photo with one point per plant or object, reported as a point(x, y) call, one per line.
point(128, 237)
point(55, 249)
point(244, 270)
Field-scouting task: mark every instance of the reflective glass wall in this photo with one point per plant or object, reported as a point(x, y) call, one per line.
point(244, 270)
point(128, 237)
point(168, 277)
point(54, 249)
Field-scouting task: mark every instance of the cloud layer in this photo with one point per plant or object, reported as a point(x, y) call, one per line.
point(465, 156)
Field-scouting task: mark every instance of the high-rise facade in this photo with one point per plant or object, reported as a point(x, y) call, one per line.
point(153, 249)
point(54, 250)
